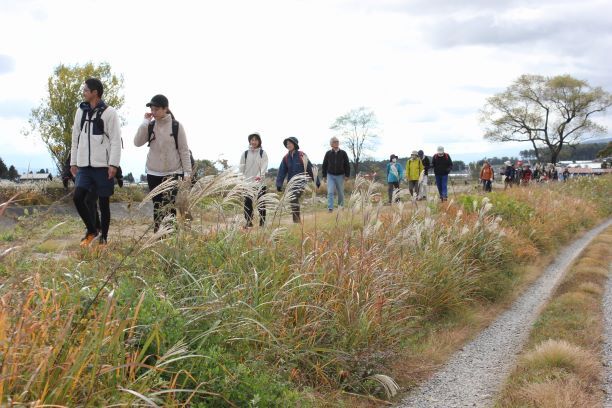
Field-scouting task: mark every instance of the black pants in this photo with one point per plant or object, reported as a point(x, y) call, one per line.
point(162, 203)
point(295, 205)
point(86, 203)
point(392, 187)
point(261, 208)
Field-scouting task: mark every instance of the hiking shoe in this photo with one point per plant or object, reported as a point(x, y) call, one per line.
point(330, 210)
point(102, 243)
point(87, 239)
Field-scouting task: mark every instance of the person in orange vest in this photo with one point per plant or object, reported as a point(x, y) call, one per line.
point(486, 176)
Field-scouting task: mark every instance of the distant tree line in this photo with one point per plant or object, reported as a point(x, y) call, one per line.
point(7, 173)
point(586, 151)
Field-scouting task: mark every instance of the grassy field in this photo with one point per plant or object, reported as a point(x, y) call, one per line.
point(295, 315)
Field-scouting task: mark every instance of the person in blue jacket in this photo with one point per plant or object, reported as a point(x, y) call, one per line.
point(395, 173)
point(295, 162)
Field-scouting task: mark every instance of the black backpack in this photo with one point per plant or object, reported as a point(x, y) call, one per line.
point(174, 134)
point(97, 121)
point(99, 124)
point(246, 153)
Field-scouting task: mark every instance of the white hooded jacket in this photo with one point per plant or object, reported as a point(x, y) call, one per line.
point(255, 164)
point(90, 146)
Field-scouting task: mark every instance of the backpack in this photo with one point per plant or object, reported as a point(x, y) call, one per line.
point(97, 121)
point(174, 134)
point(303, 159)
point(246, 152)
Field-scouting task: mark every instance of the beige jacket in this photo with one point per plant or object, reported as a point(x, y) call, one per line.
point(164, 158)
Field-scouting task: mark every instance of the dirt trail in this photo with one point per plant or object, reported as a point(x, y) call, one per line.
point(474, 375)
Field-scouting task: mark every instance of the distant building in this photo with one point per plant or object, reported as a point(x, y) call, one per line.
point(31, 177)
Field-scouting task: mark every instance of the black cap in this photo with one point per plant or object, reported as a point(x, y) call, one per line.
point(158, 100)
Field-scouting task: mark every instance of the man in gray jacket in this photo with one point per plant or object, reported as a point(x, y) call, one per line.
point(94, 157)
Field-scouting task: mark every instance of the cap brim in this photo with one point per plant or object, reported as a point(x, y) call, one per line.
point(153, 104)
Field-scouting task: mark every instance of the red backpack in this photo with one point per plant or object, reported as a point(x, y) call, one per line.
point(301, 155)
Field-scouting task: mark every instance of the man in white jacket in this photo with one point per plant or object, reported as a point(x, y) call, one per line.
point(254, 164)
point(94, 157)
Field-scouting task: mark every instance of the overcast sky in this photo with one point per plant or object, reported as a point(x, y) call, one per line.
point(290, 67)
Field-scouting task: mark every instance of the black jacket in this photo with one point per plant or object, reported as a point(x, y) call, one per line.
point(336, 163)
point(442, 165)
point(426, 164)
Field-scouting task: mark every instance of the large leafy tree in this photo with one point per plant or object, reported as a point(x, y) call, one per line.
point(548, 112)
point(54, 117)
point(357, 128)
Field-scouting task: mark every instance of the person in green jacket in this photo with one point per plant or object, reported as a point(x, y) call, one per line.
point(414, 168)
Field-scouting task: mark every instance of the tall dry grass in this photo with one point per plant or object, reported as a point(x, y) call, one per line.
point(561, 366)
point(213, 315)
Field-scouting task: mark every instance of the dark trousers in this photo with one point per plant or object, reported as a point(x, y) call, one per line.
point(486, 185)
point(86, 203)
point(392, 187)
point(163, 204)
point(261, 208)
point(91, 201)
point(295, 205)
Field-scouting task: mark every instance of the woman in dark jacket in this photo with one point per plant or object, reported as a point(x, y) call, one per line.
point(295, 162)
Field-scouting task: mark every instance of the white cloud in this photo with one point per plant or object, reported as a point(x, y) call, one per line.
point(290, 67)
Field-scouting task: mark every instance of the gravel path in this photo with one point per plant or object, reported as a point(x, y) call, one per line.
point(607, 305)
point(474, 375)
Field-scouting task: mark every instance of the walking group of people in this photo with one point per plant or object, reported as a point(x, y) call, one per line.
point(416, 174)
point(96, 153)
point(521, 174)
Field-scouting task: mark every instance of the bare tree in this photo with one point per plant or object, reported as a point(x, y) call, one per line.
point(547, 112)
point(357, 129)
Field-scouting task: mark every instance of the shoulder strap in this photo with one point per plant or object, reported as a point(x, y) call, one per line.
point(150, 132)
point(304, 160)
point(175, 131)
point(246, 153)
point(83, 118)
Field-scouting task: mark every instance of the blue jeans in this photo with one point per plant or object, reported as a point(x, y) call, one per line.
point(335, 182)
point(441, 182)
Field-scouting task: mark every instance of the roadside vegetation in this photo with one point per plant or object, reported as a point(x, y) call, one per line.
point(50, 192)
point(282, 315)
point(561, 365)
